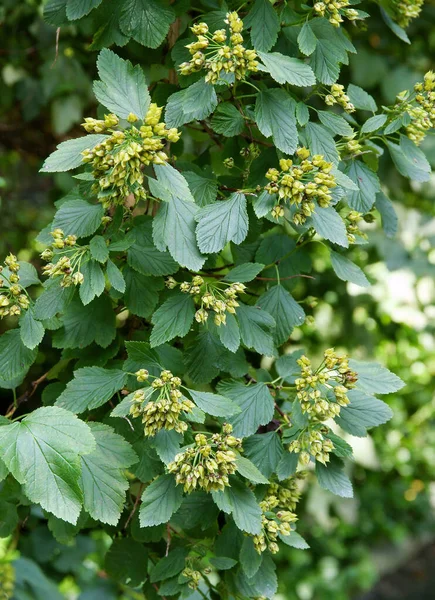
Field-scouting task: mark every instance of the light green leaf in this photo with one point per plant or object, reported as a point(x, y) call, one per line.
point(368, 186)
point(169, 565)
point(334, 479)
point(264, 23)
point(214, 404)
point(302, 113)
point(294, 540)
point(91, 387)
point(288, 367)
point(28, 275)
point(265, 450)
point(159, 501)
point(193, 103)
point(53, 300)
point(325, 61)
point(222, 563)
point(222, 222)
point(31, 330)
point(335, 123)
point(263, 584)
point(204, 188)
point(15, 357)
point(98, 248)
point(375, 378)
point(279, 303)
point(275, 116)
point(78, 217)
point(172, 319)
point(166, 444)
point(244, 273)
point(247, 469)
point(76, 9)
point(287, 465)
point(284, 69)
point(256, 329)
point(227, 120)
point(256, 403)
point(68, 155)
point(250, 559)
point(374, 123)
point(263, 203)
point(140, 356)
point(144, 257)
point(409, 160)
point(328, 224)
point(240, 502)
point(306, 39)
point(146, 21)
point(103, 480)
point(362, 413)
point(395, 28)
point(320, 141)
point(174, 182)
point(346, 270)
point(361, 99)
point(388, 214)
point(115, 277)
point(42, 453)
point(229, 333)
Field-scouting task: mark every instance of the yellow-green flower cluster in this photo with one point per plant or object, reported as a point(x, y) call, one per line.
point(68, 258)
point(165, 411)
point(118, 161)
point(7, 581)
point(339, 96)
point(208, 463)
point(13, 297)
point(273, 524)
point(302, 184)
point(312, 443)
point(288, 492)
point(193, 577)
point(423, 114)
point(220, 53)
point(335, 10)
point(334, 375)
point(406, 10)
point(352, 229)
point(216, 297)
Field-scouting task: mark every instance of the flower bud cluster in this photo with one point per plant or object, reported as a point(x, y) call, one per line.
point(218, 297)
point(301, 184)
point(273, 523)
point(208, 463)
point(7, 581)
point(193, 577)
point(165, 411)
point(406, 10)
point(13, 297)
point(423, 114)
point(65, 258)
point(334, 374)
point(219, 52)
point(338, 96)
point(335, 10)
point(288, 492)
point(353, 147)
point(312, 443)
point(352, 229)
point(118, 161)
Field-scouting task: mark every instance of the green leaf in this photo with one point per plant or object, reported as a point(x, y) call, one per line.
point(28, 275)
point(115, 277)
point(256, 329)
point(78, 217)
point(302, 113)
point(363, 412)
point(94, 281)
point(140, 356)
point(361, 99)
point(263, 203)
point(55, 12)
point(325, 61)
point(256, 403)
point(227, 120)
point(203, 187)
point(146, 21)
point(388, 214)
point(159, 501)
point(176, 220)
point(141, 292)
point(91, 387)
point(53, 300)
point(42, 453)
point(240, 502)
point(76, 9)
point(395, 28)
point(328, 224)
point(144, 257)
point(294, 540)
point(247, 469)
point(288, 367)
point(409, 160)
point(334, 479)
point(346, 270)
point(126, 561)
point(375, 378)
point(213, 404)
point(264, 23)
point(287, 465)
point(166, 444)
point(368, 186)
point(31, 330)
point(244, 273)
point(122, 88)
point(201, 358)
point(169, 566)
point(103, 480)
point(195, 102)
point(275, 116)
point(15, 357)
point(335, 123)
point(222, 222)
point(174, 182)
point(341, 448)
point(320, 141)
point(265, 451)
point(307, 40)
point(279, 303)
point(374, 123)
point(284, 69)
point(250, 559)
point(8, 518)
point(68, 155)
point(263, 584)
point(222, 563)
point(173, 318)
point(99, 249)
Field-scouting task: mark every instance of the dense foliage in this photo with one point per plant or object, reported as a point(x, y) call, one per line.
point(178, 269)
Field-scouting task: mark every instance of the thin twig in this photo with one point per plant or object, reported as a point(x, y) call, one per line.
point(135, 505)
point(57, 48)
point(27, 394)
point(284, 278)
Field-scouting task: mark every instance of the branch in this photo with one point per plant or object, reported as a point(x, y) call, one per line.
point(135, 505)
point(26, 396)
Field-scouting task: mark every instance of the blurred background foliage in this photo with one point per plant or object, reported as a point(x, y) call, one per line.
point(46, 91)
